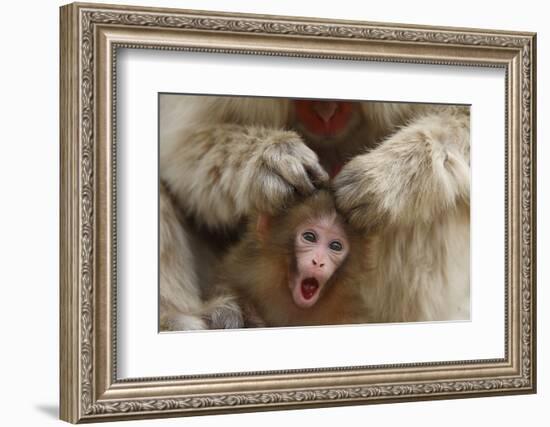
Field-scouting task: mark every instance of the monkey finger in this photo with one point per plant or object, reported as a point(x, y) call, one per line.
point(271, 192)
point(301, 181)
point(316, 173)
point(310, 161)
point(295, 174)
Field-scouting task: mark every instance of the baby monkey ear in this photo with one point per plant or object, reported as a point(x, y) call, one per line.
point(263, 226)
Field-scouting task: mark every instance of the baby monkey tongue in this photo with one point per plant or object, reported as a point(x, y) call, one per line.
point(309, 287)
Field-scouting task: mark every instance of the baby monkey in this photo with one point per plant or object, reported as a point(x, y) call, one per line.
point(303, 266)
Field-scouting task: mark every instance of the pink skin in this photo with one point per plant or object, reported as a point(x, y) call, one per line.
point(321, 246)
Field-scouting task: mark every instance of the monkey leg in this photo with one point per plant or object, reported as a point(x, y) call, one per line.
point(180, 294)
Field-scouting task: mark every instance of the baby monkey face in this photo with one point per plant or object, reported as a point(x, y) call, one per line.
point(321, 246)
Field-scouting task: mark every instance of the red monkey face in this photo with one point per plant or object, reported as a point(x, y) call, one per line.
point(321, 246)
point(326, 119)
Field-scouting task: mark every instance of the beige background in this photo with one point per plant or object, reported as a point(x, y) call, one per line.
point(29, 170)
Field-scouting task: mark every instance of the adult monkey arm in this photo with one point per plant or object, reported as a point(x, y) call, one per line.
point(414, 176)
point(414, 190)
point(223, 157)
point(220, 159)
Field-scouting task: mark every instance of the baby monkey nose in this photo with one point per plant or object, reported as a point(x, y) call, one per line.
point(315, 263)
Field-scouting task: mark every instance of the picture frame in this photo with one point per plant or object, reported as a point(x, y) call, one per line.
point(91, 36)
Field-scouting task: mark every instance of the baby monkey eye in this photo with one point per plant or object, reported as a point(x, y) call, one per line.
point(309, 236)
point(335, 245)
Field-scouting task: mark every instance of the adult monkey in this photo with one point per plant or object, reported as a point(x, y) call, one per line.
point(413, 192)
point(221, 158)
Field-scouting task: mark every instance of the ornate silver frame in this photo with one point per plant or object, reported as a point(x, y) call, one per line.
point(90, 36)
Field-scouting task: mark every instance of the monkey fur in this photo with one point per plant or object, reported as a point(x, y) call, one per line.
point(405, 178)
point(256, 272)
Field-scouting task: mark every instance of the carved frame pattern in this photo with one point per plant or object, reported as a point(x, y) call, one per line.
point(87, 397)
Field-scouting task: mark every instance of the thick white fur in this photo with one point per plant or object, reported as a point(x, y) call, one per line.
point(222, 158)
point(180, 295)
point(217, 156)
point(413, 192)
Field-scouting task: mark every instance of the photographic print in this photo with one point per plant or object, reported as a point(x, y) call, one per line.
point(267, 212)
point(298, 212)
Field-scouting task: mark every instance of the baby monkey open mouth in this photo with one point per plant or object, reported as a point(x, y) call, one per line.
point(309, 287)
point(306, 289)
